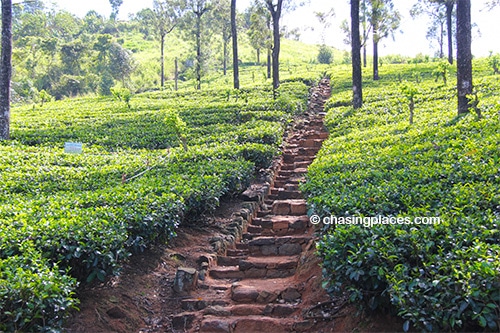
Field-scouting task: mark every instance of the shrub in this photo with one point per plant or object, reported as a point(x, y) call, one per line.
point(34, 296)
point(443, 277)
point(325, 55)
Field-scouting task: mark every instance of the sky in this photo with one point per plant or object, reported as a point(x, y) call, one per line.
point(409, 40)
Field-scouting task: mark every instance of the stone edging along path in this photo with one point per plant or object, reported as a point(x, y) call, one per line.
point(261, 279)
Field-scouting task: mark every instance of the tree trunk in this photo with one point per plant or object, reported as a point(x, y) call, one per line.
point(375, 59)
point(224, 60)
point(365, 62)
point(449, 26)
point(276, 14)
point(464, 55)
point(5, 69)
point(198, 51)
point(234, 34)
point(441, 41)
point(258, 56)
point(269, 63)
point(162, 60)
point(357, 91)
point(176, 74)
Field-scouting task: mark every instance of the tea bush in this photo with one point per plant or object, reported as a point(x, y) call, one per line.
point(70, 219)
point(440, 277)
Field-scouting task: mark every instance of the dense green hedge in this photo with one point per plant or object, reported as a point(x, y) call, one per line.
point(437, 277)
point(73, 219)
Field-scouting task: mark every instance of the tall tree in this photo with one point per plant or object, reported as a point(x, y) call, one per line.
point(436, 31)
point(223, 23)
point(363, 19)
point(5, 69)
point(357, 85)
point(464, 55)
point(275, 10)
point(449, 4)
point(234, 34)
point(115, 8)
point(440, 11)
point(384, 20)
point(198, 8)
point(259, 31)
point(165, 16)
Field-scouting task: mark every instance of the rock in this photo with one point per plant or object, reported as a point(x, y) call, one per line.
point(303, 326)
point(266, 297)
point(183, 321)
point(281, 207)
point(116, 313)
point(186, 280)
point(253, 193)
point(290, 295)
point(217, 310)
point(244, 294)
point(215, 326)
point(290, 249)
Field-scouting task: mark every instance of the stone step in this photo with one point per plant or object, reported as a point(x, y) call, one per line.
point(254, 229)
point(289, 207)
point(237, 252)
point(268, 291)
point(297, 157)
point(278, 246)
point(271, 310)
point(194, 304)
point(250, 324)
point(249, 235)
point(257, 267)
point(282, 223)
point(229, 261)
point(301, 151)
point(241, 246)
point(282, 194)
point(306, 143)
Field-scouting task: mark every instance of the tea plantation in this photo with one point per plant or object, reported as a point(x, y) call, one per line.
point(70, 219)
point(438, 277)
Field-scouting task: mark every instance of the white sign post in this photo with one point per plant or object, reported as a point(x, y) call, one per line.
point(73, 147)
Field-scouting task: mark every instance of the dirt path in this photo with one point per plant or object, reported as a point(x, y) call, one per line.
point(265, 283)
point(252, 263)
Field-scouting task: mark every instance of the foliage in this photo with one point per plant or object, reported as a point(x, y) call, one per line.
point(442, 277)
point(442, 70)
point(122, 94)
point(325, 55)
point(78, 217)
point(494, 62)
point(35, 296)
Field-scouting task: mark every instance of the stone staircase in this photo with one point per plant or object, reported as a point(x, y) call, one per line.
point(253, 286)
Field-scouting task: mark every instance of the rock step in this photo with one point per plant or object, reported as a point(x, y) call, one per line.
point(297, 157)
point(306, 142)
point(256, 267)
point(237, 252)
point(200, 304)
point(268, 291)
point(252, 324)
point(271, 310)
point(278, 246)
point(254, 229)
point(302, 151)
point(294, 172)
point(295, 165)
point(282, 194)
point(289, 207)
point(279, 223)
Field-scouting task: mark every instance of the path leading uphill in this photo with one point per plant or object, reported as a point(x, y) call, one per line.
point(262, 282)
